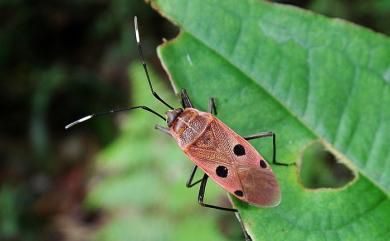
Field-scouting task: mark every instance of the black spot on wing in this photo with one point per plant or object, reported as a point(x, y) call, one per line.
point(239, 193)
point(239, 150)
point(263, 164)
point(222, 171)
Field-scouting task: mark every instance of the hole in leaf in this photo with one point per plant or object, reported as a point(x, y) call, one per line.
point(320, 168)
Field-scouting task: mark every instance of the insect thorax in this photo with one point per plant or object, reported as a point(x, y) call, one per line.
point(189, 125)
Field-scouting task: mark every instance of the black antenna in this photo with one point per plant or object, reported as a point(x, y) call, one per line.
point(113, 111)
point(144, 64)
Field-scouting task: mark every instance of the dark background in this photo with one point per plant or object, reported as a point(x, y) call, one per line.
point(60, 60)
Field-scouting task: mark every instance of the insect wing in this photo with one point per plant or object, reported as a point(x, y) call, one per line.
point(260, 186)
point(235, 165)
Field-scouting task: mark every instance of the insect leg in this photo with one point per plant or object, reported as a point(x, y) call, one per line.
point(189, 183)
point(212, 106)
point(247, 236)
point(201, 197)
point(259, 135)
point(162, 129)
point(268, 134)
point(201, 194)
point(185, 100)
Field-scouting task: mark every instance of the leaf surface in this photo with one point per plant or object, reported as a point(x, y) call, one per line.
point(308, 79)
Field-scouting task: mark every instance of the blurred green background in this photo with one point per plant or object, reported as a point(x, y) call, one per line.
point(113, 178)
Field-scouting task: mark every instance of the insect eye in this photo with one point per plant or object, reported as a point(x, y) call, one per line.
point(263, 164)
point(239, 150)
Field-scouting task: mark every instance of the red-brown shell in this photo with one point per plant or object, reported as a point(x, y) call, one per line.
point(209, 143)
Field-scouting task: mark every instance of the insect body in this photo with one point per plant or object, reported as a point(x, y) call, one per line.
point(224, 156)
point(221, 153)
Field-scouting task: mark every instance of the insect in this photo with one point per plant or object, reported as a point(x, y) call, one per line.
point(224, 156)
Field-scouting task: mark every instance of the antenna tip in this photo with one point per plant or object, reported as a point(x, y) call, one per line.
point(78, 121)
point(136, 29)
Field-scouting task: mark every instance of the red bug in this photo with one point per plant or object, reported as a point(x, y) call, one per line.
point(229, 159)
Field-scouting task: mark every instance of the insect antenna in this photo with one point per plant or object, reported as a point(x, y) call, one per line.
point(85, 118)
point(144, 64)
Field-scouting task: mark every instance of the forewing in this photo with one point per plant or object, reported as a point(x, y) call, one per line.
point(212, 146)
point(260, 186)
point(212, 151)
point(246, 178)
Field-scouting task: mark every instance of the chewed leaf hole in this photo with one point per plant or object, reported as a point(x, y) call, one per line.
point(320, 168)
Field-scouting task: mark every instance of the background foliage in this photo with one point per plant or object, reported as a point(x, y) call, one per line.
point(59, 61)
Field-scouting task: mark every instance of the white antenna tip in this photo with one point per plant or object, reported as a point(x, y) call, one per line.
point(78, 121)
point(136, 29)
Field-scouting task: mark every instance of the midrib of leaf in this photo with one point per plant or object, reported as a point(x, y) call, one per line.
point(355, 166)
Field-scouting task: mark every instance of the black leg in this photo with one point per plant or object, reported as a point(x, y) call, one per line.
point(247, 236)
point(212, 106)
point(259, 135)
point(268, 134)
point(189, 181)
point(185, 100)
point(201, 194)
point(201, 197)
point(162, 129)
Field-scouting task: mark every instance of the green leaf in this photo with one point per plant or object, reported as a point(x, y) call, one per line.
point(307, 78)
